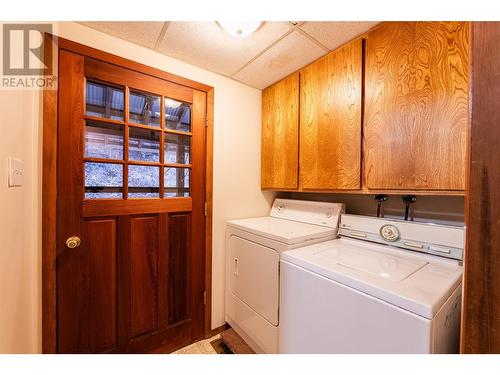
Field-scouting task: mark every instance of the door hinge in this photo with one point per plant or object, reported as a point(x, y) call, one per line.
point(206, 209)
point(204, 297)
point(206, 121)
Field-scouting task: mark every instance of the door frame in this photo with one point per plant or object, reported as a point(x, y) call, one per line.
point(49, 180)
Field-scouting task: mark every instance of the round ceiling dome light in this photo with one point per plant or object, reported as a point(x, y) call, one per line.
point(240, 29)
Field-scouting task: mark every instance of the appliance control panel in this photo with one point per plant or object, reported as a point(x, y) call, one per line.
point(441, 240)
point(311, 212)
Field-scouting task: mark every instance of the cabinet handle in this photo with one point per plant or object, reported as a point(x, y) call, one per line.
point(235, 267)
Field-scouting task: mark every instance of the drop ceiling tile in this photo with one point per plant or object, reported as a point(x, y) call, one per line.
point(206, 45)
point(333, 34)
point(288, 55)
point(142, 33)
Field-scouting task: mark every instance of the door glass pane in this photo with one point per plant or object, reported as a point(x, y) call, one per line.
point(143, 181)
point(177, 115)
point(144, 109)
point(177, 148)
point(103, 140)
point(104, 101)
point(103, 180)
point(176, 182)
point(144, 145)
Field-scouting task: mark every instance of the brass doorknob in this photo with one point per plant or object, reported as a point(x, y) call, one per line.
point(73, 242)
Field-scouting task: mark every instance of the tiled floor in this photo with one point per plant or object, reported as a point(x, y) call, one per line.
point(200, 347)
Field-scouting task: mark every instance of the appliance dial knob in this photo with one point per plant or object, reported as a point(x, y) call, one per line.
point(389, 232)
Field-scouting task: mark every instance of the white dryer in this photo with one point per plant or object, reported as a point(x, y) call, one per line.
point(253, 251)
point(385, 286)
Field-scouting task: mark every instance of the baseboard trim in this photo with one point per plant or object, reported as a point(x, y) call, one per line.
point(217, 330)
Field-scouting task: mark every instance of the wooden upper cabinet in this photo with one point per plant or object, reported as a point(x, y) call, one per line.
point(416, 106)
point(280, 127)
point(330, 120)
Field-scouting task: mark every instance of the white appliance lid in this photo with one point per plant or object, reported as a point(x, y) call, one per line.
point(410, 281)
point(385, 265)
point(312, 212)
point(286, 231)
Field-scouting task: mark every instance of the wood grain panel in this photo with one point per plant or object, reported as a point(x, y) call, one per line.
point(280, 127)
point(143, 275)
point(179, 248)
point(49, 210)
point(481, 307)
point(87, 291)
point(197, 220)
point(163, 272)
point(209, 214)
point(113, 207)
point(101, 252)
point(330, 120)
point(417, 105)
point(71, 275)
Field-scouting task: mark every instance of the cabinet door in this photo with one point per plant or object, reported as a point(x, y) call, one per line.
point(416, 106)
point(330, 120)
point(280, 133)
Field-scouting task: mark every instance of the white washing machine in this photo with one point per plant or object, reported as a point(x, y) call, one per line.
point(385, 286)
point(253, 250)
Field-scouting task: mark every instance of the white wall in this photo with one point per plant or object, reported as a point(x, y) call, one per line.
point(236, 183)
point(19, 225)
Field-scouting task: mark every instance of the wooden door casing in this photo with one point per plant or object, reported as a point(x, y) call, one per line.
point(330, 120)
point(481, 300)
point(416, 106)
point(280, 135)
point(137, 280)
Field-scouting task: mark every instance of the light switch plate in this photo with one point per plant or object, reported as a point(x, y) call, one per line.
point(16, 171)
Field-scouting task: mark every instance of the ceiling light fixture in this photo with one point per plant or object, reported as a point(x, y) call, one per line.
point(240, 29)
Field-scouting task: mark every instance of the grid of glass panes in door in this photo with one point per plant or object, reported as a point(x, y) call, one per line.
point(137, 144)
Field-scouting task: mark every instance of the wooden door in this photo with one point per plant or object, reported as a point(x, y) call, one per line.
point(131, 187)
point(330, 120)
point(416, 106)
point(481, 300)
point(280, 135)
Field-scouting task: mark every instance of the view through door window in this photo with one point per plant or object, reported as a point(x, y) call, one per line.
point(137, 144)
